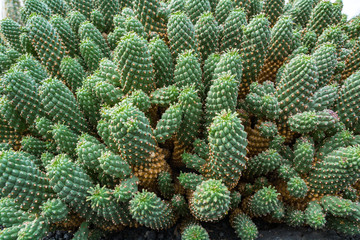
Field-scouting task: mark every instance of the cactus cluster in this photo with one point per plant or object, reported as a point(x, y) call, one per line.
point(118, 114)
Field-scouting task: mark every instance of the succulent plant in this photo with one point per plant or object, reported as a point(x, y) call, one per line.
point(118, 114)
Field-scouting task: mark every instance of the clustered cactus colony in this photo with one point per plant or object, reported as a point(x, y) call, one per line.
point(149, 112)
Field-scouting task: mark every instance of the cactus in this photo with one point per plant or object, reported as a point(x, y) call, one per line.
point(194, 231)
point(139, 73)
point(116, 114)
point(181, 33)
point(210, 194)
point(151, 211)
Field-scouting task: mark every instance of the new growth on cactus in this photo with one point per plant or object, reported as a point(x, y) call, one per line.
point(154, 113)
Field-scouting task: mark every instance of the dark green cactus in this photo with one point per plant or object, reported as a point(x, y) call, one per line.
point(273, 9)
point(169, 123)
point(66, 34)
point(138, 73)
point(254, 50)
point(27, 174)
point(244, 227)
point(232, 35)
point(11, 30)
point(192, 115)
point(223, 9)
point(163, 64)
point(206, 30)
point(181, 33)
point(149, 210)
point(151, 15)
point(35, 6)
point(195, 231)
point(50, 50)
point(210, 201)
point(83, 6)
point(265, 201)
point(183, 77)
point(54, 210)
point(226, 125)
point(114, 165)
point(71, 183)
point(195, 9)
point(222, 95)
point(61, 105)
point(315, 216)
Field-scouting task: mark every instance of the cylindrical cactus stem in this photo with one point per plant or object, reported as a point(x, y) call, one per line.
point(71, 183)
point(347, 106)
point(88, 30)
point(36, 7)
point(89, 104)
point(344, 161)
point(254, 54)
point(169, 123)
point(11, 30)
point(181, 33)
point(265, 201)
point(211, 194)
point(35, 229)
point(352, 62)
point(114, 165)
point(32, 188)
point(195, 9)
point(149, 210)
point(228, 126)
point(304, 155)
point(139, 72)
point(244, 227)
point(163, 63)
point(191, 107)
point(83, 6)
point(61, 105)
point(130, 129)
point(58, 6)
point(281, 35)
point(89, 150)
point(91, 53)
point(23, 94)
point(72, 73)
point(183, 77)
point(50, 50)
point(66, 34)
point(232, 35)
point(296, 86)
point(75, 19)
point(104, 203)
point(11, 213)
point(10, 115)
point(195, 231)
point(263, 163)
point(273, 9)
point(152, 15)
point(324, 98)
point(28, 63)
point(221, 96)
point(207, 34)
point(223, 9)
point(325, 60)
point(65, 139)
point(108, 9)
point(54, 210)
point(315, 216)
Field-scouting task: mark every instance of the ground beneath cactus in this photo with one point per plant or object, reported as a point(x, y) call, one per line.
point(223, 231)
